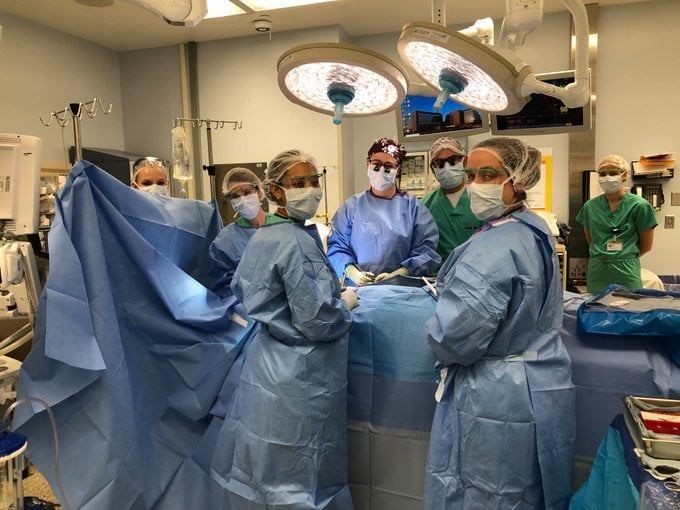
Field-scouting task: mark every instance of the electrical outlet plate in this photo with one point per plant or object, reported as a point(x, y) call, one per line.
point(578, 268)
point(669, 221)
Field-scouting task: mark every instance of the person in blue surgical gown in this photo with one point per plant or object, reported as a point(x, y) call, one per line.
point(290, 414)
point(383, 232)
point(244, 191)
point(503, 431)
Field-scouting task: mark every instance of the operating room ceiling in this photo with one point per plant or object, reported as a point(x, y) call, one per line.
point(123, 26)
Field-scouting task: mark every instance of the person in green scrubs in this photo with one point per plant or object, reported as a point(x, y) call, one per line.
point(619, 227)
point(449, 204)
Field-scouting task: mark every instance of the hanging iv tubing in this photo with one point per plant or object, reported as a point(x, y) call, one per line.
point(74, 112)
point(209, 126)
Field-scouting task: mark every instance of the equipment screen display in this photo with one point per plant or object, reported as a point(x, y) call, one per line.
point(543, 114)
point(419, 121)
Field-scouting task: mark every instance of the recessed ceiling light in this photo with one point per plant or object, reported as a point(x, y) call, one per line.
point(222, 8)
point(267, 5)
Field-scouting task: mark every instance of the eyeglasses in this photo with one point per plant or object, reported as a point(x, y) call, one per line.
point(612, 172)
point(303, 181)
point(241, 191)
point(439, 163)
point(483, 175)
point(376, 164)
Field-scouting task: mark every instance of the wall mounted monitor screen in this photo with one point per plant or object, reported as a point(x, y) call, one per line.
point(417, 120)
point(544, 114)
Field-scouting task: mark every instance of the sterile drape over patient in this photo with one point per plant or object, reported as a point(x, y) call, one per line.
point(132, 352)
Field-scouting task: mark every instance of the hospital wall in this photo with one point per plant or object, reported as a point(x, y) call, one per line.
point(238, 80)
point(637, 102)
point(151, 98)
point(42, 70)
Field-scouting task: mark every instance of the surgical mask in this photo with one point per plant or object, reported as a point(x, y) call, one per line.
point(155, 189)
point(379, 179)
point(486, 200)
point(302, 203)
point(247, 206)
point(451, 176)
point(610, 183)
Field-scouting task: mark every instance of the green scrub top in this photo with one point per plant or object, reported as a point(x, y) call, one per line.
point(455, 224)
point(614, 250)
point(269, 219)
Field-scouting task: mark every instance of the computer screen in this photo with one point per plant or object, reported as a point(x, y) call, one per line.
point(417, 120)
point(544, 114)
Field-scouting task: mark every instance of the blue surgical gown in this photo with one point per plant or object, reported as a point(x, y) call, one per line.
point(381, 235)
point(290, 414)
point(503, 432)
point(226, 250)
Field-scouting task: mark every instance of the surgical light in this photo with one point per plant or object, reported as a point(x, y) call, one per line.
point(486, 77)
point(341, 80)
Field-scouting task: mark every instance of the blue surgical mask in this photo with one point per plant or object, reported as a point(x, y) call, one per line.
point(302, 203)
point(380, 178)
point(247, 206)
point(486, 201)
point(451, 176)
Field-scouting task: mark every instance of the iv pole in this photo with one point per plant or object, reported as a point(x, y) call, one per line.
point(325, 195)
point(74, 112)
point(209, 125)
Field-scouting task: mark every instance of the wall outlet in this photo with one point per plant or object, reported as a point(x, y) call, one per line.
point(578, 268)
point(669, 221)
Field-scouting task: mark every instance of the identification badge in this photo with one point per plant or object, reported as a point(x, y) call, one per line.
point(614, 246)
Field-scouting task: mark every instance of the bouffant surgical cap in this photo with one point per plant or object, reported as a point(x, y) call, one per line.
point(522, 162)
point(283, 162)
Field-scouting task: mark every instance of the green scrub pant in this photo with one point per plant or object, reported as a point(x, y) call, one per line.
point(604, 272)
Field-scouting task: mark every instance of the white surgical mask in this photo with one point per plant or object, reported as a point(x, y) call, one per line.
point(610, 183)
point(247, 206)
point(451, 176)
point(379, 179)
point(302, 203)
point(486, 200)
point(155, 189)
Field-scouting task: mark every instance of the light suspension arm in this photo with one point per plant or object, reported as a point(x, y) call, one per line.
point(182, 13)
point(482, 29)
point(575, 94)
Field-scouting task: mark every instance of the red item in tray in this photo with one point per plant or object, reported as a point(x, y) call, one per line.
point(661, 423)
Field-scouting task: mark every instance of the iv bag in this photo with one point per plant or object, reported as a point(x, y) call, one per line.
point(180, 155)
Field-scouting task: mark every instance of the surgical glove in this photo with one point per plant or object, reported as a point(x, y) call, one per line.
point(402, 271)
point(358, 276)
point(349, 296)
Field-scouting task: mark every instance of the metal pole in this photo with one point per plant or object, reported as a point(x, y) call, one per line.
point(325, 196)
point(77, 141)
point(439, 12)
point(211, 167)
